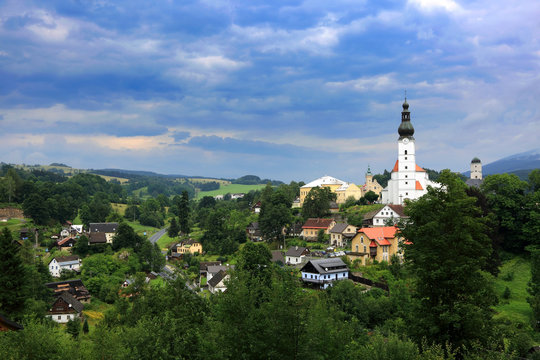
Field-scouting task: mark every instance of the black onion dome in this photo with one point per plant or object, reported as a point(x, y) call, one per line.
point(475, 160)
point(405, 128)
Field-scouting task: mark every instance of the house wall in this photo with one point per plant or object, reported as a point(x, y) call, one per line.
point(55, 268)
point(294, 260)
point(63, 318)
point(384, 215)
point(325, 280)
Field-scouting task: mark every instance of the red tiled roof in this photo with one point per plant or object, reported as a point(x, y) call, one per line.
point(418, 185)
point(396, 167)
point(63, 241)
point(382, 241)
point(374, 233)
point(373, 244)
point(407, 242)
point(418, 168)
point(316, 223)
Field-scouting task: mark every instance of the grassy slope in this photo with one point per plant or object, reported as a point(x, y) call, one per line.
point(233, 189)
point(516, 308)
point(13, 224)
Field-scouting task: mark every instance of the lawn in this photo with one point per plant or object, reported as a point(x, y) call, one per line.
point(165, 241)
point(140, 229)
point(515, 274)
point(232, 189)
point(13, 224)
point(119, 208)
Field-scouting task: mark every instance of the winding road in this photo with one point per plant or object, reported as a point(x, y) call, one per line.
point(154, 238)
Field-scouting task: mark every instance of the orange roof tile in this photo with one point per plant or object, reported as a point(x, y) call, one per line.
point(418, 185)
point(373, 244)
point(380, 232)
point(396, 167)
point(418, 168)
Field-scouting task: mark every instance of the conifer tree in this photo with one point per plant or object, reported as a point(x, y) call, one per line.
point(183, 213)
point(85, 327)
point(12, 275)
point(173, 228)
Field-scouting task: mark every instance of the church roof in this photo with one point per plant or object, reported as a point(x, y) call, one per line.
point(418, 185)
point(475, 160)
point(405, 128)
point(396, 168)
point(325, 180)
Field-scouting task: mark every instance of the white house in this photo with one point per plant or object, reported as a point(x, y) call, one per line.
point(408, 180)
point(65, 308)
point(389, 215)
point(295, 255)
point(217, 282)
point(57, 264)
point(324, 272)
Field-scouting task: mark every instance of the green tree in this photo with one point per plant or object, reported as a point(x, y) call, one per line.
point(73, 327)
point(448, 251)
point(317, 202)
point(12, 275)
point(85, 327)
point(183, 213)
point(34, 206)
point(534, 286)
point(371, 196)
point(505, 197)
point(275, 213)
point(534, 180)
point(126, 237)
point(174, 229)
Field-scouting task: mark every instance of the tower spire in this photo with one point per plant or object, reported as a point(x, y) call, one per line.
point(406, 130)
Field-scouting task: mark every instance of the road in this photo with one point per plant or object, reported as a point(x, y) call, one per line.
point(154, 238)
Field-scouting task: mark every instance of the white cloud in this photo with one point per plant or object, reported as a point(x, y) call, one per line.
point(434, 5)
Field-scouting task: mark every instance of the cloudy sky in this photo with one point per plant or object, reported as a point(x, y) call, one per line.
point(288, 90)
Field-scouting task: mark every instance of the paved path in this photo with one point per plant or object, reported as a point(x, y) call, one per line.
point(154, 238)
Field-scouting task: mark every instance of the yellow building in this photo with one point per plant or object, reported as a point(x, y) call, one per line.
point(378, 243)
point(190, 246)
point(341, 188)
point(371, 184)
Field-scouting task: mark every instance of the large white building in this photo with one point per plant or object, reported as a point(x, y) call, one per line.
point(408, 180)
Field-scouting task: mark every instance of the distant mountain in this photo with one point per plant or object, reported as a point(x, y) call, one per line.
point(520, 164)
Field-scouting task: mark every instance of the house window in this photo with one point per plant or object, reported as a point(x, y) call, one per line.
point(356, 248)
point(364, 248)
point(405, 176)
point(59, 317)
point(68, 317)
point(406, 182)
point(406, 193)
point(405, 152)
point(405, 158)
point(405, 168)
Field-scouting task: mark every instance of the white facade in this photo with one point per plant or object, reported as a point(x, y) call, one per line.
point(294, 260)
point(408, 180)
point(325, 280)
point(384, 216)
point(63, 318)
point(476, 169)
point(55, 267)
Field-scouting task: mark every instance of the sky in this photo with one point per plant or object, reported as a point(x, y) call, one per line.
point(287, 90)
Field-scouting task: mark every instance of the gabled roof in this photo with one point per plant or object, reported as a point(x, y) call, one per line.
point(75, 304)
point(418, 168)
point(74, 287)
point(63, 241)
point(216, 279)
point(296, 251)
point(316, 223)
point(399, 209)
point(253, 226)
point(339, 228)
point(103, 227)
point(64, 259)
point(214, 269)
point(383, 232)
point(325, 180)
point(325, 266)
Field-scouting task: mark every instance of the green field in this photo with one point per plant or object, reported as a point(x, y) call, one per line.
point(140, 229)
point(516, 308)
point(232, 189)
point(13, 224)
point(165, 241)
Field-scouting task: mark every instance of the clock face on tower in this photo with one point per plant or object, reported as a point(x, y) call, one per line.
point(405, 141)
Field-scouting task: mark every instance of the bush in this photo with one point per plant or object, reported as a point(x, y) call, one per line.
point(509, 276)
point(506, 294)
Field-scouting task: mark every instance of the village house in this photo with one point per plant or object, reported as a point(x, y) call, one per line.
point(188, 247)
point(387, 216)
point(295, 255)
point(324, 272)
point(106, 230)
point(341, 234)
point(64, 308)
point(74, 287)
point(68, 263)
point(217, 282)
point(256, 209)
point(254, 232)
point(311, 228)
point(65, 244)
point(376, 243)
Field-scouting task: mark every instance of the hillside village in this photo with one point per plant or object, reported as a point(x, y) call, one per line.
point(110, 266)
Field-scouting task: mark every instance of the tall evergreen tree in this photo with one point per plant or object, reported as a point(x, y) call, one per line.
point(183, 213)
point(12, 275)
point(448, 252)
point(173, 228)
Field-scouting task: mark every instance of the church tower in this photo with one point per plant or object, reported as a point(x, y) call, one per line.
point(476, 169)
point(408, 180)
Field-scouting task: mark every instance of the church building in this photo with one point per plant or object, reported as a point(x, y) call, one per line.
point(408, 180)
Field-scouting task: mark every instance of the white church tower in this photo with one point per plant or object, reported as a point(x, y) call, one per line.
point(476, 169)
point(408, 180)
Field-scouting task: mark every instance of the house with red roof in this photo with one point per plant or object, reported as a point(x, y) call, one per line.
point(376, 243)
point(312, 226)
